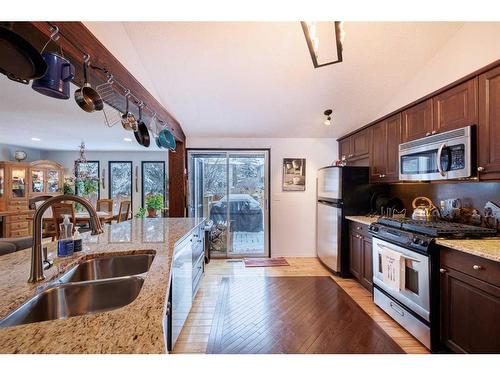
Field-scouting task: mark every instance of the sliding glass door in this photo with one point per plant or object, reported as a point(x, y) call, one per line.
point(231, 188)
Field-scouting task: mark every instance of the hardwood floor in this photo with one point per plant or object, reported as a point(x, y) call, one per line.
point(195, 336)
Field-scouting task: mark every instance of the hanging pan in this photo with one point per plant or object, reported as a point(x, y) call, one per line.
point(19, 60)
point(86, 97)
point(142, 133)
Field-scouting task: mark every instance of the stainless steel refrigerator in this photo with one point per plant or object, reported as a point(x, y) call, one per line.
point(341, 191)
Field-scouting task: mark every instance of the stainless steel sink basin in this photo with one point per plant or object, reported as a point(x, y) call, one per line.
point(66, 300)
point(108, 267)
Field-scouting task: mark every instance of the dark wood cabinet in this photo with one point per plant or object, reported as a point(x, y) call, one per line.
point(385, 140)
point(360, 254)
point(469, 303)
point(489, 125)
point(417, 121)
point(355, 147)
point(456, 107)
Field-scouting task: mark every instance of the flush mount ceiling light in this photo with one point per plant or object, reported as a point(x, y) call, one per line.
point(328, 120)
point(35, 139)
point(127, 139)
point(324, 40)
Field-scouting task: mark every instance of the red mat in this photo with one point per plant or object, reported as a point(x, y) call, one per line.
point(265, 262)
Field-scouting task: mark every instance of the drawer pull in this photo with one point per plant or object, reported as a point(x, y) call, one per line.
point(358, 228)
point(397, 309)
point(442, 270)
point(476, 267)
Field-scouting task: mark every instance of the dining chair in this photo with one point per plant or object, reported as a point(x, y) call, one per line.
point(61, 209)
point(104, 205)
point(124, 211)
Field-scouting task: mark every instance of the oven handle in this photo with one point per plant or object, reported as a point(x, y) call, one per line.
point(404, 256)
point(438, 159)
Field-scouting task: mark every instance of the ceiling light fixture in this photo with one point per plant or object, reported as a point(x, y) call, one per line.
point(127, 139)
point(35, 139)
point(331, 34)
point(328, 120)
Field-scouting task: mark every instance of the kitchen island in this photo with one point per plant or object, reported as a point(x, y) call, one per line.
point(134, 328)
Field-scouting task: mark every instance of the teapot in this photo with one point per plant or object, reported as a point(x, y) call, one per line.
point(422, 208)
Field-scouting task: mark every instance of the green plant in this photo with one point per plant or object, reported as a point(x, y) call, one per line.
point(154, 201)
point(141, 213)
point(68, 189)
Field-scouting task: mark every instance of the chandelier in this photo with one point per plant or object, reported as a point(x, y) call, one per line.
point(324, 40)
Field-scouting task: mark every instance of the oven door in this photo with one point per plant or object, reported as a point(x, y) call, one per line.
point(440, 157)
point(414, 290)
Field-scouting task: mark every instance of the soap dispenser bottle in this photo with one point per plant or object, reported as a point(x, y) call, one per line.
point(65, 243)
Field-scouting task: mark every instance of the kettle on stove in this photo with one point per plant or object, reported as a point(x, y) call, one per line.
point(423, 208)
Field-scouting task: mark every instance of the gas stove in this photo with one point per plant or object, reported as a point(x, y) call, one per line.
point(419, 235)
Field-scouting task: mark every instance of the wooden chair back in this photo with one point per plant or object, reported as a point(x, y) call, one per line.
point(124, 212)
point(61, 209)
point(105, 205)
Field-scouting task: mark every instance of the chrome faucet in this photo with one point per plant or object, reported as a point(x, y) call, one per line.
point(37, 264)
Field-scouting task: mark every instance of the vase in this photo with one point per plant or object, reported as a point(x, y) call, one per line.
point(152, 212)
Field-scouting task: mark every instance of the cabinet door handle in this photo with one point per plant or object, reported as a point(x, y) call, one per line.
point(476, 267)
point(358, 228)
point(434, 132)
point(480, 169)
point(427, 134)
point(442, 270)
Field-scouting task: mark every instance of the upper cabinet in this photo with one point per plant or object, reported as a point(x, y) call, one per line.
point(385, 138)
point(456, 107)
point(355, 147)
point(489, 125)
point(417, 121)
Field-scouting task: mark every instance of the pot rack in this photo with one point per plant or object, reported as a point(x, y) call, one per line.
point(55, 33)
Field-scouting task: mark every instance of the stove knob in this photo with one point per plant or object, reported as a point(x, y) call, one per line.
point(424, 243)
point(415, 241)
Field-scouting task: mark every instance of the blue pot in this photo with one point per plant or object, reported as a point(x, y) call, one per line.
point(55, 82)
point(166, 139)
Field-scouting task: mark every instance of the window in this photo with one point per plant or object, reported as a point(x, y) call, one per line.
point(153, 179)
point(90, 169)
point(120, 180)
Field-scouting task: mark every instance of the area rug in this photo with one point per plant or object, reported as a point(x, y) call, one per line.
point(266, 315)
point(265, 262)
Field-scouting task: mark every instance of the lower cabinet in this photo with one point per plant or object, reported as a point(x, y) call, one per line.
point(469, 303)
point(360, 254)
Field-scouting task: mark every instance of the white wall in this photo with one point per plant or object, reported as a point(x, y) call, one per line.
point(67, 158)
point(7, 152)
point(293, 214)
point(473, 46)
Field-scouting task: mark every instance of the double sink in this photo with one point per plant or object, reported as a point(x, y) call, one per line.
point(94, 285)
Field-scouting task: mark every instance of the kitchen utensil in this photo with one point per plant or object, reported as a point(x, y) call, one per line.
point(19, 60)
point(128, 119)
point(86, 97)
point(142, 134)
point(108, 96)
point(423, 208)
point(167, 140)
point(55, 82)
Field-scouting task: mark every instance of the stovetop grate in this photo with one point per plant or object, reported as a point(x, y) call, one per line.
point(437, 228)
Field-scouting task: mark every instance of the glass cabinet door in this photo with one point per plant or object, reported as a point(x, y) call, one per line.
point(37, 181)
point(53, 181)
point(2, 183)
point(18, 182)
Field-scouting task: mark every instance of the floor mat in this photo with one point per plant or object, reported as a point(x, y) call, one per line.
point(266, 262)
point(292, 315)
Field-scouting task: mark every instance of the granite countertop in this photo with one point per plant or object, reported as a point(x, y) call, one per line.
point(488, 248)
point(366, 220)
point(134, 328)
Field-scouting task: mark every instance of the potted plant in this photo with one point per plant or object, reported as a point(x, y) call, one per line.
point(154, 202)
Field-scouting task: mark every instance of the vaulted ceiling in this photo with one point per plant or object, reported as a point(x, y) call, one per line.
point(256, 79)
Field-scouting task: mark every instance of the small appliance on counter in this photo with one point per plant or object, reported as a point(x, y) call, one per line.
point(404, 264)
point(341, 191)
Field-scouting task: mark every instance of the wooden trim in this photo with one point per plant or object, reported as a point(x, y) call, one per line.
point(177, 179)
point(428, 96)
point(75, 40)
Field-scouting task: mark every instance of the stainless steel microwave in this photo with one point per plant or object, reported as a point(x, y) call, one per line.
point(443, 156)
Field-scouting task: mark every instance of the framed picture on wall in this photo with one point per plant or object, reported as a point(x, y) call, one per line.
point(294, 174)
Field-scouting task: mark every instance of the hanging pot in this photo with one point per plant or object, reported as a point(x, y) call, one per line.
point(19, 60)
point(128, 119)
point(142, 134)
point(55, 82)
point(166, 139)
point(86, 97)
